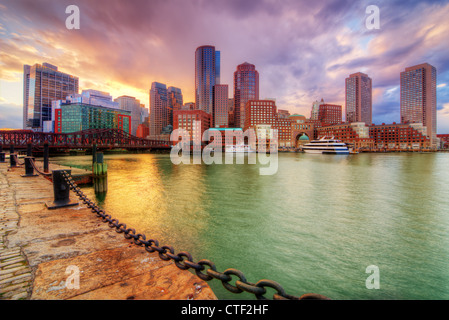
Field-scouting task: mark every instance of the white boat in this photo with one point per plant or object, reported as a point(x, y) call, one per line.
point(326, 145)
point(238, 148)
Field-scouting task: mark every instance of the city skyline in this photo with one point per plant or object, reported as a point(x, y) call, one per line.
point(302, 51)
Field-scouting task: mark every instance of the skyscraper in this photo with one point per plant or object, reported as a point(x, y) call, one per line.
point(41, 85)
point(207, 74)
point(316, 109)
point(175, 102)
point(246, 87)
point(419, 97)
point(220, 114)
point(158, 108)
point(133, 105)
point(359, 98)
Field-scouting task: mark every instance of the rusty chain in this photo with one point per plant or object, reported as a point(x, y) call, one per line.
point(47, 174)
point(204, 269)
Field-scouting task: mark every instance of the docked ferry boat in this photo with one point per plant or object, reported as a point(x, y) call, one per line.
point(326, 145)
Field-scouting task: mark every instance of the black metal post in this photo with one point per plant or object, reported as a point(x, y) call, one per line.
point(61, 191)
point(94, 153)
point(29, 169)
point(29, 150)
point(11, 149)
point(2, 154)
point(12, 160)
point(46, 157)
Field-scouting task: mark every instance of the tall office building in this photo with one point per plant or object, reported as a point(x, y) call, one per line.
point(175, 102)
point(246, 87)
point(359, 98)
point(41, 85)
point(419, 98)
point(221, 112)
point(316, 109)
point(134, 106)
point(207, 74)
point(158, 108)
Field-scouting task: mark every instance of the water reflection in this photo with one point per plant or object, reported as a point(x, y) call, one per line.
point(314, 226)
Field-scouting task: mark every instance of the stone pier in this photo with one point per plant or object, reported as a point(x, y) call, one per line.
point(69, 253)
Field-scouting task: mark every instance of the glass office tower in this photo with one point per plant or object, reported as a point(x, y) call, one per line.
point(41, 85)
point(207, 74)
point(419, 98)
point(246, 87)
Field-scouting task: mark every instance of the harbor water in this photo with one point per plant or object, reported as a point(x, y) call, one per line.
point(315, 225)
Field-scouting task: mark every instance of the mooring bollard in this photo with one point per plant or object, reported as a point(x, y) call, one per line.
point(29, 150)
point(29, 169)
point(12, 160)
point(46, 157)
point(61, 191)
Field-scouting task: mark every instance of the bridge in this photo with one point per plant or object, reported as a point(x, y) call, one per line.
point(104, 139)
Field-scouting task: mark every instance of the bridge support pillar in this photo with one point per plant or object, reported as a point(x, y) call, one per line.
point(99, 167)
point(29, 169)
point(61, 190)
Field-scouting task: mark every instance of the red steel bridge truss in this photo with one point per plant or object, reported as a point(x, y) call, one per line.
point(103, 138)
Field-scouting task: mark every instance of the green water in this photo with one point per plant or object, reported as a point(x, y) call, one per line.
point(314, 226)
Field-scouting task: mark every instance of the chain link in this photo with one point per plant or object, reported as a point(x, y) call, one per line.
point(204, 269)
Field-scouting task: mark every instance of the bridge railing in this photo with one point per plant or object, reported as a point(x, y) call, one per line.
point(81, 139)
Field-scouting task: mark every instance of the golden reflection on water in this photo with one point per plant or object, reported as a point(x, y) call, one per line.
point(166, 202)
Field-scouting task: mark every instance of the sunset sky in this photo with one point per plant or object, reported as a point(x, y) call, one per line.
point(303, 50)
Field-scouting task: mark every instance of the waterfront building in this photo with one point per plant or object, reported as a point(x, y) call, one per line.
point(86, 97)
point(246, 87)
point(73, 117)
point(357, 134)
point(264, 112)
point(226, 138)
point(303, 129)
point(418, 98)
point(193, 121)
point(329, 114)
point(358, 95)
point(207, 75)
point(412, 136)
point(159, 115)
point(220, 112)
point(43, 83)
point(444, 140)
point(135, 107)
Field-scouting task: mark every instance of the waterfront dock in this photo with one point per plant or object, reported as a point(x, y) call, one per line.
point(42, 251)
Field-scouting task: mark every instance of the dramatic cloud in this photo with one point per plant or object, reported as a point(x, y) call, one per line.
point(303, 50)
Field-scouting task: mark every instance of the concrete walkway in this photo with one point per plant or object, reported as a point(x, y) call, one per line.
point(70, 253)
